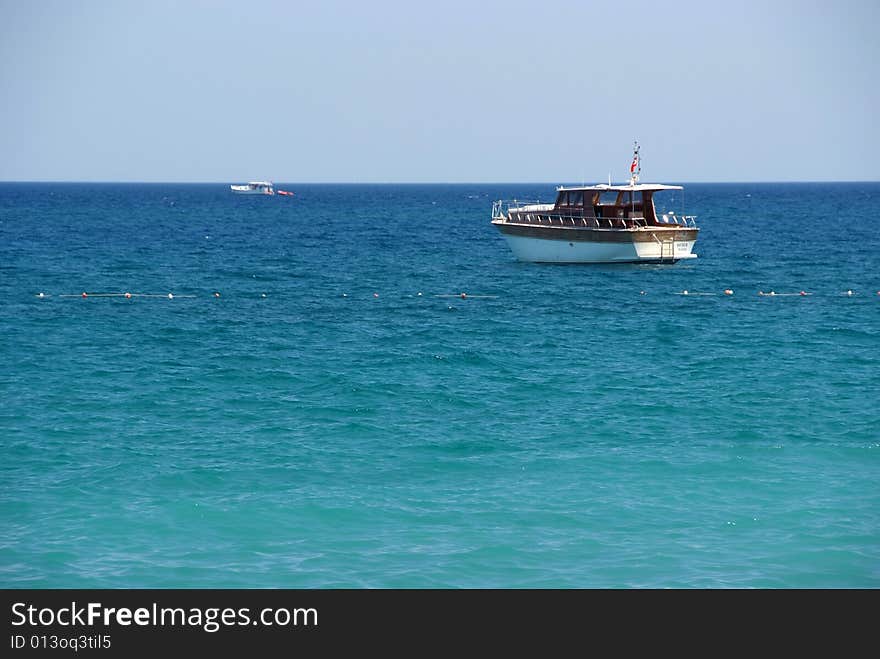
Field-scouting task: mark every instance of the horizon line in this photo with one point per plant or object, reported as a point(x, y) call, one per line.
point(142, 182)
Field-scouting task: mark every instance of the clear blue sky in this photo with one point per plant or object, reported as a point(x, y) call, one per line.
point(474, 91)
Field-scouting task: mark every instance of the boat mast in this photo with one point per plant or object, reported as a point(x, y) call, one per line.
point(634, 170)
point(636, 167)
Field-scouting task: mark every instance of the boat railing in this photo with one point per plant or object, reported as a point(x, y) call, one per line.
point(577, 221)
point(503, 207)
point(681, 220)
point(522, 212)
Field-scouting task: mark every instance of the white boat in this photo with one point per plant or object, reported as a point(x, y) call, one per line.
point(598, 224)
point(254, 187)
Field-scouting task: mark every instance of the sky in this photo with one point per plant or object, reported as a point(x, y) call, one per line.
point(446, 91)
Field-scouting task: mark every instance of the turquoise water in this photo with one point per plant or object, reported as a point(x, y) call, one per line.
point(339, 416)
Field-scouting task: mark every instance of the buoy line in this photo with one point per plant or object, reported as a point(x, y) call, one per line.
point(467, 296)
point(84, 294)
point(464, 296)
point(775, 294)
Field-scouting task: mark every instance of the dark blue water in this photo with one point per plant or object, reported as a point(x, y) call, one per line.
point(317, 405)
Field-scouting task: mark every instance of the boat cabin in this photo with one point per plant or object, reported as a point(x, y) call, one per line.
point(623, 205)
point(260, 186)
point(254, 187)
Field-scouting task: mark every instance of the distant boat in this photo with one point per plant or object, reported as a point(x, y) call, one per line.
point(598, 224)
point(254, 187)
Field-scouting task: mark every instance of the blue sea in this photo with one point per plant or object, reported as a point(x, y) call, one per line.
point(318, 406)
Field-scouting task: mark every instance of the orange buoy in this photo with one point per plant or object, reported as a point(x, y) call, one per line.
point(803, 292)
point(728, 291)
point(128, 295)
point(463, 296)
point(85, 294)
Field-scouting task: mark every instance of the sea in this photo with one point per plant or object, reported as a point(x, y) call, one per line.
point(358, 386)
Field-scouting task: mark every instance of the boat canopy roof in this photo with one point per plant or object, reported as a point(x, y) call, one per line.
point(623, 188)
point(259, 183)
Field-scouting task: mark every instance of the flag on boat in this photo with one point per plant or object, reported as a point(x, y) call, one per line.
point(635, 163)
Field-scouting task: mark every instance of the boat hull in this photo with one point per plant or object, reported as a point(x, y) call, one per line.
point(576, 245)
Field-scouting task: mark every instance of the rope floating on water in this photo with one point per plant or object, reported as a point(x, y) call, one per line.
point(84, 295)
point(464, 296)
point(467, 296)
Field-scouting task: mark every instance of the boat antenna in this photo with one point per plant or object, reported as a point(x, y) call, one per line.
point(636, 167)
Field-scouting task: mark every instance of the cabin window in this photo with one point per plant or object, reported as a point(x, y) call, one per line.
point(667, 201)
point(608, 197)
point(633, 199)
point(571, 198)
